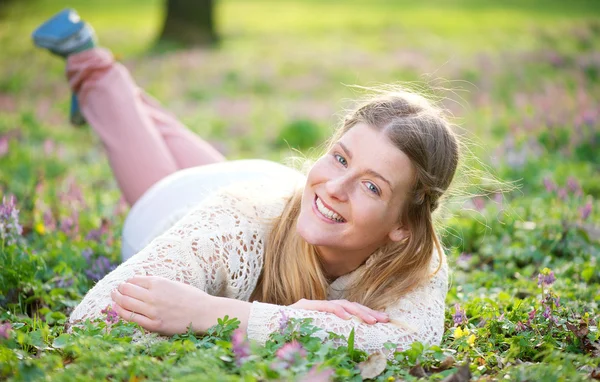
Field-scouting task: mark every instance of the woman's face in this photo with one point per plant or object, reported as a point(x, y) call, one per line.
point(354, 195)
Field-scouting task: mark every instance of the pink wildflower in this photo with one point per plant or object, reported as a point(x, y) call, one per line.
point(316, 375)
point(49, 147)
point(479, 203)
point(586, 210)
point(562, 193)
point(3, 146)
point(521, 327)
point(549, 184)
point(111, 315)
point(573, 186)
point(10, 228)
point(291, 352)
point(240, 346)
point(5, 330)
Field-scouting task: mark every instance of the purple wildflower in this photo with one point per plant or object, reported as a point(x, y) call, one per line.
point(531, 315)
point(586, 210)
point(464, 258)
point(10, 228)
point(547, 312)
point(3, 146)
point(99, 268)
point(459, 315)
point(546, 277)
point(96, 234)
point(111, 316)
point(87, 254)
point(283, 321)
point(64, 282)
point(70, 224)
point(549, 184)
point(240, 346)
point(5, 330)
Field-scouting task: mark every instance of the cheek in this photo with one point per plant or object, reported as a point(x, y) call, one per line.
point(318, 172)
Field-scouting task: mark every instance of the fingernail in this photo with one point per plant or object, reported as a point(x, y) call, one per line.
point(347, 316)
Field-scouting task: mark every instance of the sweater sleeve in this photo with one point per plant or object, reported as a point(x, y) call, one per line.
point(217, 247)
point(417, 316)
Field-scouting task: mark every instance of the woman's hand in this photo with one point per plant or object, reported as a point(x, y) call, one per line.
point(343, 309)
point(163, 306)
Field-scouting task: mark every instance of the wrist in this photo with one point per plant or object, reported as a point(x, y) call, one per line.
point(222, 306)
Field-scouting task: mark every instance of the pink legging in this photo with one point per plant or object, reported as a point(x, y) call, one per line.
point(144, 142)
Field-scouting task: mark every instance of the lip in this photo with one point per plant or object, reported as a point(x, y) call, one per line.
point(320, 215)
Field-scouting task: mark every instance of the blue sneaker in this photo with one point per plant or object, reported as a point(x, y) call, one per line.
point(64, 34)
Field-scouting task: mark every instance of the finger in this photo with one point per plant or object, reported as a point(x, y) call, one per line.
point(134, 291)
point(132, 304)
point(138, 318)
point(142, 281)
point(358, 310)
point(379, 316)
point(330, 307)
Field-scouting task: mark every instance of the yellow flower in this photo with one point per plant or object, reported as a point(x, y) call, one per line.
point(39, 228)
point(459, 332)
point(471, 340)
point(391, 379)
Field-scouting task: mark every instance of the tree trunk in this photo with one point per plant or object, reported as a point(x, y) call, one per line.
point(189, 23)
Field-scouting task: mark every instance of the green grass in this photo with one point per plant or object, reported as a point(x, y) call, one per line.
point(522, 79)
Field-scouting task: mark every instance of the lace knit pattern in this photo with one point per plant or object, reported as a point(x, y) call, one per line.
point(218, 247)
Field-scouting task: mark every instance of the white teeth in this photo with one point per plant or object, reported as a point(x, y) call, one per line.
point(327, 212)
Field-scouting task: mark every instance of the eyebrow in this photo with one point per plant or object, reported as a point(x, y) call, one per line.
point(369, 171)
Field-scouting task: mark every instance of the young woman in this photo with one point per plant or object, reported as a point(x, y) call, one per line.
point(350, 245)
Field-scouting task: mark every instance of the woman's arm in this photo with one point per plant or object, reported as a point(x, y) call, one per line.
point(418, 316)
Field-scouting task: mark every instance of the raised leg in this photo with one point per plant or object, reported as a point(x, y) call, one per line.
point(144, 143)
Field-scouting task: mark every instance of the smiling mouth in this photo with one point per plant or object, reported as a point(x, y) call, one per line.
point(326, 212)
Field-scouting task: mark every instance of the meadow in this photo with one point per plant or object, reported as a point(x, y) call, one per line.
point(522, 79)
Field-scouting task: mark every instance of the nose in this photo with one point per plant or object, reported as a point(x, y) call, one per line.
point(337, 188)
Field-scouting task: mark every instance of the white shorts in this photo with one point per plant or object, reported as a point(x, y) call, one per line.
point(168, 200)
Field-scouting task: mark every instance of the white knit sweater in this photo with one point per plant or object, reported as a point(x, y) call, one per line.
point(218, 247)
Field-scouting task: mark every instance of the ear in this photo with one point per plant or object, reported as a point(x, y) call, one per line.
point(399, 233)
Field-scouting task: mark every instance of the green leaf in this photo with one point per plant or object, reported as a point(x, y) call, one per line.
point(351, 344)
point(61, 341)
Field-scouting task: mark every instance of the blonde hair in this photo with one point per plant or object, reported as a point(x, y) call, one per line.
point(292, 269)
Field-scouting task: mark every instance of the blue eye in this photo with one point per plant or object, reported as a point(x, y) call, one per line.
point(341, 159)
point(372, 188)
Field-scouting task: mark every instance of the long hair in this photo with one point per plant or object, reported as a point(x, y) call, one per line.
point(292, 269)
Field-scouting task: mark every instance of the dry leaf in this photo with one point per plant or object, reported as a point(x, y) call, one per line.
point(418, 371)
point(373, 366)
point(462, 375)
point(445, 365)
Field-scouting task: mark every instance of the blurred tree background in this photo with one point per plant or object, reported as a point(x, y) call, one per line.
point(189, 23)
